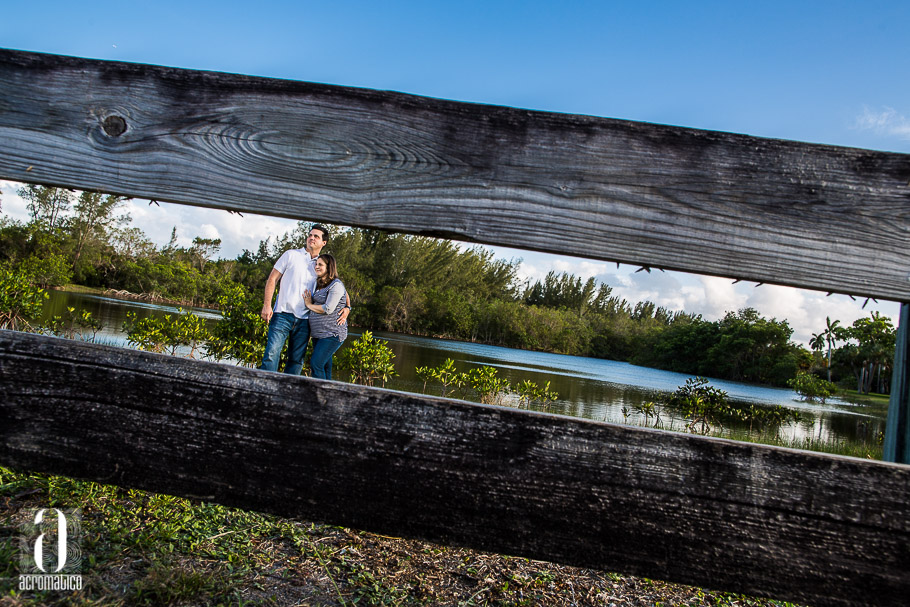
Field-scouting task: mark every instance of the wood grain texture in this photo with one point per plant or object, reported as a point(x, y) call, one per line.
point(829, 218)
point(812, 528)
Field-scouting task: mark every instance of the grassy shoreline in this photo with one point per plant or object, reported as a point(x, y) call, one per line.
point(880, 400)
point(74, 288)
point(126, 295)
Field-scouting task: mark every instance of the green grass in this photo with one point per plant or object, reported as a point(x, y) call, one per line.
point(73, 288)
point(871, 450)
point(150, 550)
point(172, 550)
point(865, 450)
point(880, 400)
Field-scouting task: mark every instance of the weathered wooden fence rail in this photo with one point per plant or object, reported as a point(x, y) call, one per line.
point(793, 525)
point(834, 219)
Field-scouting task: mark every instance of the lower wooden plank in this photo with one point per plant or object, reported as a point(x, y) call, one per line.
point(806, 527)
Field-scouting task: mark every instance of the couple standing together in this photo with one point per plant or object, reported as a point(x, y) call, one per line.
point(312, 303)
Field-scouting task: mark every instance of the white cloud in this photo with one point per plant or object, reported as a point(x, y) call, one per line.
point(245, 232)
point(779, 302)
point(584, 268)
point(528, 272)
point(207, 230)
point(11, 203)
point(236, 233)
point(662, 288)
point(886, 122)
point(535, 266)
point(720, 295)
point(817, 306)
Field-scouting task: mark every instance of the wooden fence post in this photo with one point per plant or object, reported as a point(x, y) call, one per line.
point(897, 431)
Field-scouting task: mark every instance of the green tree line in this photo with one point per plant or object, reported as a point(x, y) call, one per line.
point(84, 238)
point(432, 287)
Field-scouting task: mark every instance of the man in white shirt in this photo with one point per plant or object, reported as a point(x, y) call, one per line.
point(288, 320)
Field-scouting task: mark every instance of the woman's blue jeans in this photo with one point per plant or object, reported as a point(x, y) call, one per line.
point(321, 360)
point(284, 326)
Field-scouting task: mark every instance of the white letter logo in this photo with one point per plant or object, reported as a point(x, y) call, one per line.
point(61, 541)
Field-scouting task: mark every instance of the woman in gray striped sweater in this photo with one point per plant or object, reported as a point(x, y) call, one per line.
point(324, 303)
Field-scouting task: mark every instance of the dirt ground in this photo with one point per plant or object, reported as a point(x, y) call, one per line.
point(141, 556)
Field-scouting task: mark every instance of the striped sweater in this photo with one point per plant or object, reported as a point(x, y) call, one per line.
point(332, 298)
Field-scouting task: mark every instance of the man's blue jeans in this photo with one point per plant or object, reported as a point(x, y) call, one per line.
point(284, 326)
point(321, 360)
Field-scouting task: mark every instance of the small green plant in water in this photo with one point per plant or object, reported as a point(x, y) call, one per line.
point(241, 332)
point(649, 410)
point(20, 300)
point(72, 324)
point(149, 334)
point(191, 331)
point(708, 409)
point(483, 384)
point(369, 360)
point(446, 374)
point(811, 387)
point(702, 403)
point(165, 334)
point(490, 388)
point(529, 392)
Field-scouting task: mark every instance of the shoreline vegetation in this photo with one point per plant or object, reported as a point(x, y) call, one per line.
point(854, 396)
point(872, 398)
point(127, 295)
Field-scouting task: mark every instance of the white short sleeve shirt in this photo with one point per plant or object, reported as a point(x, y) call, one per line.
point(297, 274)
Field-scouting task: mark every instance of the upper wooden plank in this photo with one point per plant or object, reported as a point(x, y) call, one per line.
point(823, 217)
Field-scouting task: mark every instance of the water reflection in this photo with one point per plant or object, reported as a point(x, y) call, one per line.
point(600, 389)
point(111, 312)
point(589, 388)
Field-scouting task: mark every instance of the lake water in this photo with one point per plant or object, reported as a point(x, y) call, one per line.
point(111, 312)
point(588, 387)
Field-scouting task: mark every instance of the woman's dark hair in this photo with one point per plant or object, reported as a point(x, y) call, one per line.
point(331, 271)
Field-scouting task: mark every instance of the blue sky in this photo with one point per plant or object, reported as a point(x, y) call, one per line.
point(825, 72)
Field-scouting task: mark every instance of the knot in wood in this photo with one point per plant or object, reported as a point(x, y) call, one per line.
point(114, 126)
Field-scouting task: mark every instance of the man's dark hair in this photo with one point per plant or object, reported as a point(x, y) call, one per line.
point(323, 229)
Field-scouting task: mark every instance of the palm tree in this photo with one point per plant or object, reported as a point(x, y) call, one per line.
point(817, 342)
point(832, 334)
